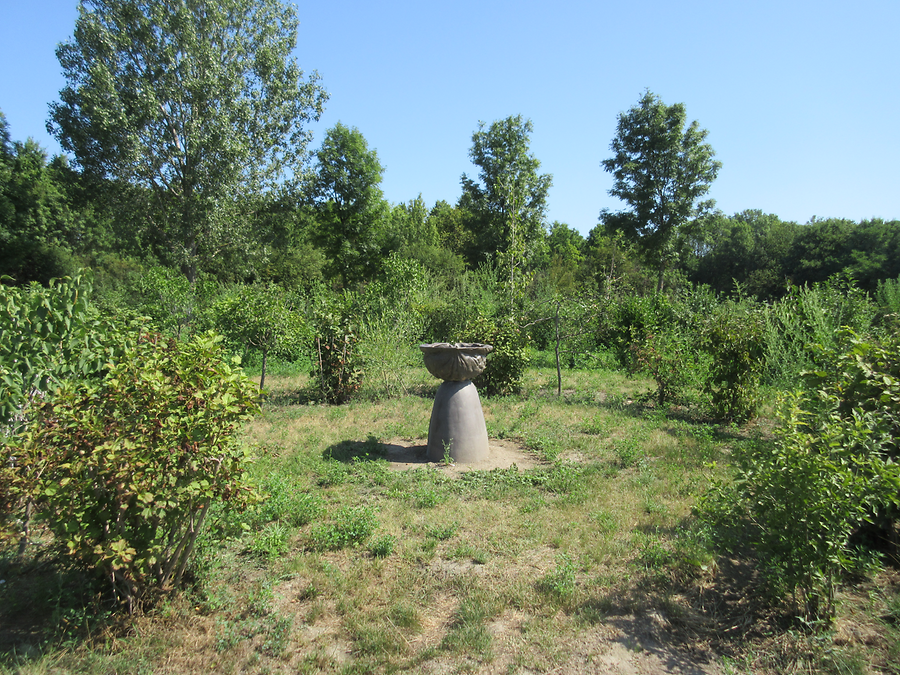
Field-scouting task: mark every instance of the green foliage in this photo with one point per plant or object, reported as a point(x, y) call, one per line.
point(449, 309)
point(661, 170)
point(176, 306)
point(39, 225)
point(351, 207)
point(667, 356)
point(196, 105)
point(263, 319)
point(282, 501)
point(508, 201)
point(393, 324)
point(383, 546)
point(560, 582)
point(734, 336)
point(749, 248)
point(124, 469)
point(630, 320)
point(507, 362)
point(887, 296)
point(47, 336)
point(832, 468)
point(657, 335)
point(337, 361)
point(350, 526)
point(271, 541)
point(811, 315)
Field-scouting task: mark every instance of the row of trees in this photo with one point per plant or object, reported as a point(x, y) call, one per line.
point(54, 218)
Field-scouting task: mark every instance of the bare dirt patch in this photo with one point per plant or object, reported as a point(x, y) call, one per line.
point(404, 454)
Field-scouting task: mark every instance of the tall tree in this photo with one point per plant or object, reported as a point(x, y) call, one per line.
point(197, 102)
point(508, 200)
point(347, 187)
point(661, 170)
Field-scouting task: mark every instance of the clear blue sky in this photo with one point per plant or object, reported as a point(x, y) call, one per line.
point(801, 98)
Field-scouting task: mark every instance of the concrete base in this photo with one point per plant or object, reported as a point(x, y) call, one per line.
point(457, 424)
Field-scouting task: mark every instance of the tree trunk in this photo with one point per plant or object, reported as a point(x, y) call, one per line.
point(558, 369)
point(262, 378)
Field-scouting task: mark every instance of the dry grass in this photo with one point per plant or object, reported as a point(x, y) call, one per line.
point(589, 562)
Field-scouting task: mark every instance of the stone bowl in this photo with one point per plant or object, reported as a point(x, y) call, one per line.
point(455, 361)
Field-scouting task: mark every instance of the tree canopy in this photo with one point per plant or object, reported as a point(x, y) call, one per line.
point(661, 170)
point(347, 187)
point(508, 201)
point(199, 103)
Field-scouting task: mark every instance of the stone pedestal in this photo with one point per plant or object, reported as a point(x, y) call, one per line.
point(457, 426)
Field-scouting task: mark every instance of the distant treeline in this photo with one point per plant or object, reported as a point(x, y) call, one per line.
point(54, 220)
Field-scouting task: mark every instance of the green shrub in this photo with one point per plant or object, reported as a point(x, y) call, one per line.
point(734, 336)
point(507, 362)
point(832, 468)
point(393, 325)
point(271, 541)
point(811, 315)
point(383, 546)
point(628, 321)
point(262, 319)
point(338, 364)
point(667, 356)
point(560, 582)
point(124, 469)
point(47, 336)
point(887, 298)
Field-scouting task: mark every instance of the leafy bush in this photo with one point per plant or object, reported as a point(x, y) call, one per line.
point(507, 362)
point(271, 541)
point(734, 336)
point(887, 297)
point(811, 315)
point(337, 362)
point(629, 321)
point(560, 582)
point(262, 319)
point(47, 336)
point(124, 469)
point(393, 325)
point(383, 546)
point(832, 468)
point(667, 356)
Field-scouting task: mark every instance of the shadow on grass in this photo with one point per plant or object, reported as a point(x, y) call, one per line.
point(373, 450)
point(722, 611)
point(45, 603)
point(348, 451)
point(288, 397)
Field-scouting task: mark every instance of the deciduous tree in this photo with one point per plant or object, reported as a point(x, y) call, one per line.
point(661, 170)
point(508, 200)
point(351, 205)
point(198, 103)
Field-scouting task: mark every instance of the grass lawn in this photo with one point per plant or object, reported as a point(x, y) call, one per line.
point(589, 560)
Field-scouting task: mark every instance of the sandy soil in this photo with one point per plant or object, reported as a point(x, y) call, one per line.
point(404, 455)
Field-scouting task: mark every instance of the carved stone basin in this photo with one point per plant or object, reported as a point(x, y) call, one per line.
point(455, 361)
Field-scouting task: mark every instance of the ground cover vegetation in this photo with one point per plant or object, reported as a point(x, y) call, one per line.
point(209, 364)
